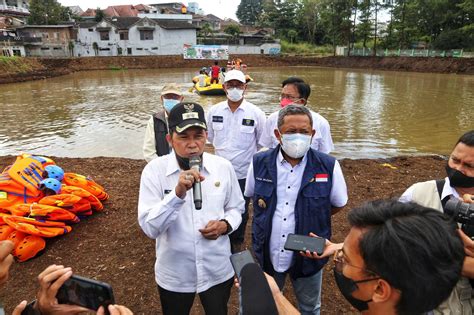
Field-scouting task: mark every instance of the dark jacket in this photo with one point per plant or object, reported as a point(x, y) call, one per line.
point(312, 208)
point(160, 126)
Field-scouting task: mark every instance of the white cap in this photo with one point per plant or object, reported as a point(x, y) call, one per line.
point(235, 75)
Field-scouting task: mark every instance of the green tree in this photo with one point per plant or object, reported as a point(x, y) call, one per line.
point(206, 30)
point(248, 11)
point(47, 12)
point(233, 30)
point(99, 15)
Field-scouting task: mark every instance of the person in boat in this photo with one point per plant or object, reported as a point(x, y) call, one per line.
point(192, 243)
point(296, 91)
point(202, 77)
point(222, 75)
point(155, 143)
point(234, 128)
point(215, 70)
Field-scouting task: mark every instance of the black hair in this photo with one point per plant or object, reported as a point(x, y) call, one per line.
point(216, 62)
point(293, 110)
point(304, 90)
point(415, 249)
point(467, 138)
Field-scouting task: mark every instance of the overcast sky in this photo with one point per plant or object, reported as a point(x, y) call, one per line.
point(220, 8)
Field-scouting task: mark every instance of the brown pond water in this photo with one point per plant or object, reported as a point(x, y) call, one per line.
point(104, 113)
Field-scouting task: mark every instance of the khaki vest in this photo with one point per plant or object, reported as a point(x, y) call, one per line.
point(460, 301)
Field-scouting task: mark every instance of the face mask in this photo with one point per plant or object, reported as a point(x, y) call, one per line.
point(169, 104)
point(295, 145)
point(235, 94)
point(347, 286)
point(183, 162)
point(458, 179)
point(285, 102)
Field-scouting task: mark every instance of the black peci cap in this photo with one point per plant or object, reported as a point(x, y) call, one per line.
point(185, 115)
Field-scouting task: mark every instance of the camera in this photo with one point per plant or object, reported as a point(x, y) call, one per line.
point(463, 213)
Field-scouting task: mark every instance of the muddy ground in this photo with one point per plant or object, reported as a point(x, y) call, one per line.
point(109, 246)
point(27, 69)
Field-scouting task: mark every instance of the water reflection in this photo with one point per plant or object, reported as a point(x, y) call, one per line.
point(104, 113)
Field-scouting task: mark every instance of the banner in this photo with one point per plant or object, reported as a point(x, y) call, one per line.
point(214, 52)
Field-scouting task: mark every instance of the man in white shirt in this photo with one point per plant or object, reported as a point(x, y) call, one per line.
point(435, 194)
point(155, 143)
point(234, 128)
point(295, 91)
point(295, 189)
point(192, 246)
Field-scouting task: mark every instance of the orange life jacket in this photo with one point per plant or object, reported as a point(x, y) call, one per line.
point(11, 192)
point(28, 172)
point(34, 227)
point(88, 184)
point(78, 191)
point(5, 231)
point(72, 203)
point(44, 211)
point(28, 247)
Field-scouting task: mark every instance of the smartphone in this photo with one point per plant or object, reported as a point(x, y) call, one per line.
point(303, 243)
point(86, 292)
point(239, 260)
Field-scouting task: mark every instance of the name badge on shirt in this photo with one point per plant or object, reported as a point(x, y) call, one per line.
point(167, 191)
point(321, 178)
point(248, 122)
point(264, 179)
point(217, 119)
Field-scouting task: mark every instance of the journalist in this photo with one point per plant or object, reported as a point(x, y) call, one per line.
point(436, 194)
point(398, 258)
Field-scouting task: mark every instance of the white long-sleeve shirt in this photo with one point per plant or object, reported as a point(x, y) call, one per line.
point(322, 140)
point(185, 260)
point(235, 135)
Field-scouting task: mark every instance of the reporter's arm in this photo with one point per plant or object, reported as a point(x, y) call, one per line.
point(283, 305)
point(468, 267)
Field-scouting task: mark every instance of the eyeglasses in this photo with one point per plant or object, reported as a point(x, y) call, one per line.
point(340, 261)
point(289, 97)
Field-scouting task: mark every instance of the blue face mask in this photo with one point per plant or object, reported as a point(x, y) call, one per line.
point(169, 104)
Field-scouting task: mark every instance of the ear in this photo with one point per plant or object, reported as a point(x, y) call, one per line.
point(313, 133)
point(168, 138)
point(181, 99)
point(384, 292)
point(277, 135)
point(161, 97)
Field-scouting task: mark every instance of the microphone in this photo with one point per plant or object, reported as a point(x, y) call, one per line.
point(195, 163)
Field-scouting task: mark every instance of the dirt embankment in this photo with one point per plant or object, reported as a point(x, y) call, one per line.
point(40, 68)
point(110, 246)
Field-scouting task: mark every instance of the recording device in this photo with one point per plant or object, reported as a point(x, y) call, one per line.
point(86, 292)
point(195, 163)
point(256, 297)
point(296, 242)
point(463, 213)
point(240, 260)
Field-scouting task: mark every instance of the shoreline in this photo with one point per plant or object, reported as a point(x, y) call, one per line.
point(31, 68)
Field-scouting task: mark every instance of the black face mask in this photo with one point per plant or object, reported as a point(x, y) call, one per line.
point(458, 179)
point(347, 286)
point(184, 162)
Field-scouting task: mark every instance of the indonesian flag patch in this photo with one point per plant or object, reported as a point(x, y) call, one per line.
point(321, 178)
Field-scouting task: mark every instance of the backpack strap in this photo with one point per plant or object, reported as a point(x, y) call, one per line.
point(439, 186)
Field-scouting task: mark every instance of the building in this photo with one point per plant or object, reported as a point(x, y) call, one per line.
point(213, 21)
point(15, 8)
point(121, 11)
point(10, 43)
point(47, 40)
point(133, 36)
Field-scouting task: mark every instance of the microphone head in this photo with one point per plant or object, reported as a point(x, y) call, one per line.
point(195, 161)
point(256, 295)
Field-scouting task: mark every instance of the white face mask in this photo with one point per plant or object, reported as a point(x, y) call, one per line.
point(235, 94)
point(295, 145)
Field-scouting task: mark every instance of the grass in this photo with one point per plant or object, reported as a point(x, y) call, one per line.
point(14, 64)
point(304, 49)
point(117, 68)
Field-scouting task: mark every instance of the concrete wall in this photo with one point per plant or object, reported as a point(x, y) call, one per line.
point(165, 42)
point(266, 49)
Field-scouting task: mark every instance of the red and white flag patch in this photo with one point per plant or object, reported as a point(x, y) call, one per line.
point(321, 178)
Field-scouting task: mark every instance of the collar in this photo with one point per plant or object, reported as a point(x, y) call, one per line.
point(448, 190)
point(173, 165)
point(243, 106)
point(281, 158)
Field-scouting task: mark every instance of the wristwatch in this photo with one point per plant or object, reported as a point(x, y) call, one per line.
point(229, 227)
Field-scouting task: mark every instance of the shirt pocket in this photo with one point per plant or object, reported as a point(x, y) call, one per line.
point(317, 208)
point(219, 135)
point(214, 206)
point(246, 137)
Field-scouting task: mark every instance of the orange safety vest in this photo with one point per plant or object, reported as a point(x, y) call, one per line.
point(88, 184)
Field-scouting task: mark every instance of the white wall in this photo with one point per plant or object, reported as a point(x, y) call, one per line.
point(268, 49)
point(165, 42)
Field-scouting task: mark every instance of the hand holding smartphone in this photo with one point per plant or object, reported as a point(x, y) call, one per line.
point(296, 242)
point(86, 292)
